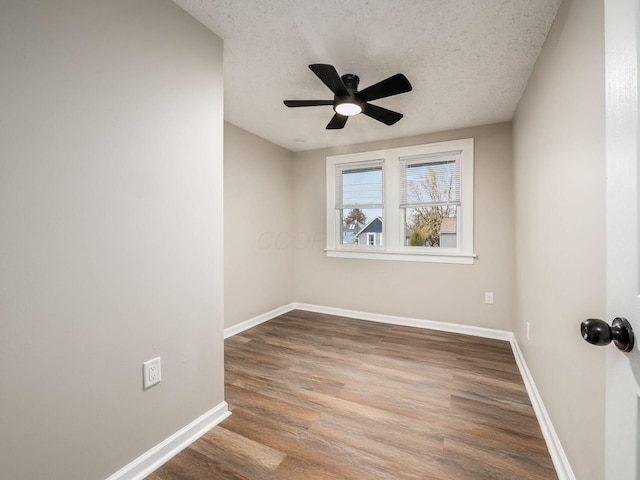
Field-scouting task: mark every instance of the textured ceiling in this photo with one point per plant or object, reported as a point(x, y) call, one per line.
point(468, 61)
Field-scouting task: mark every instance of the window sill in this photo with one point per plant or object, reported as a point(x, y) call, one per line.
point(431, 257)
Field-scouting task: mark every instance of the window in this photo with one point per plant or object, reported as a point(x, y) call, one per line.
point(411, 203)
point(430, 199)
point(358, 199)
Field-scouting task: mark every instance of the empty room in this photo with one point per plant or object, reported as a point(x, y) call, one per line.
point(352, 239)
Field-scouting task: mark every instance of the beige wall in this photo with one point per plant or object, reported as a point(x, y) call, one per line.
point(110, 221)
point(560, 228)
point(429, 291)
point(258, 225)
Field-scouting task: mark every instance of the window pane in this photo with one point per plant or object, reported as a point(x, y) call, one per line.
point(362, 186)
point(431, 226)
point(361, 226)
point(433, 182)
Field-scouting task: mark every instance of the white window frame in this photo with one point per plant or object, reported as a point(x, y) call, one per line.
point(393, 221)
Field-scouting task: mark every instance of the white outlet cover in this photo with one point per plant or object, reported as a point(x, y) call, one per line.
point(488, 298)
point(151, 373)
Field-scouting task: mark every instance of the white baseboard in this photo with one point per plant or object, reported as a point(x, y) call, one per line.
point(165, 450)
point(252, 322)
point(408, 322)
point(559, 458)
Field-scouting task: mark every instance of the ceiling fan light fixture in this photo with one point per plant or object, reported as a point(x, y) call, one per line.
point(348, 108)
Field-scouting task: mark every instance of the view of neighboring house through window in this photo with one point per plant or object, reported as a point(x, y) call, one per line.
point(430, 199)
point(411, 203)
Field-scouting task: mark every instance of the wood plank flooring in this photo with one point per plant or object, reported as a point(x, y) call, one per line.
point(323, 397)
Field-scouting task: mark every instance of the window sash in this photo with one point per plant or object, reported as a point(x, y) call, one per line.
point(445, 170)
point(370, 193)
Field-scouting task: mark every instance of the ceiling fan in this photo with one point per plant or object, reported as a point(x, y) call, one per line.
point(348, 101)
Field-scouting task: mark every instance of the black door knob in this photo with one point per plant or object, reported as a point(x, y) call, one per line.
point(598, 332)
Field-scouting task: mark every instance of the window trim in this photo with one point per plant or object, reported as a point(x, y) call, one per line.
point(393, 221)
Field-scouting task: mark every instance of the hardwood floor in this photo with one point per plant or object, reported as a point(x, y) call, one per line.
point(323, 397)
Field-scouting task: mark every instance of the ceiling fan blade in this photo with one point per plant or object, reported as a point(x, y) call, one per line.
point(390, 86)
point(388, 117)
point(329, 76)
point(307, 103)
point(338, 121)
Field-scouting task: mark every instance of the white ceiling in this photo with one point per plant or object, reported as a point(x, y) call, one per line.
point(468, 61)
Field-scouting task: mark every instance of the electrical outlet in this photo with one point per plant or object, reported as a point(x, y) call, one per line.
point(151, 373)
point(528, 330)
point(488, 298)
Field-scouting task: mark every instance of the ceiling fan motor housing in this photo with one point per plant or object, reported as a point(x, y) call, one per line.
point(351, 82)
point(349, 104)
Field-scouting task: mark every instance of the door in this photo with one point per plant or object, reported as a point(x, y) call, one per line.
point(622, 460)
